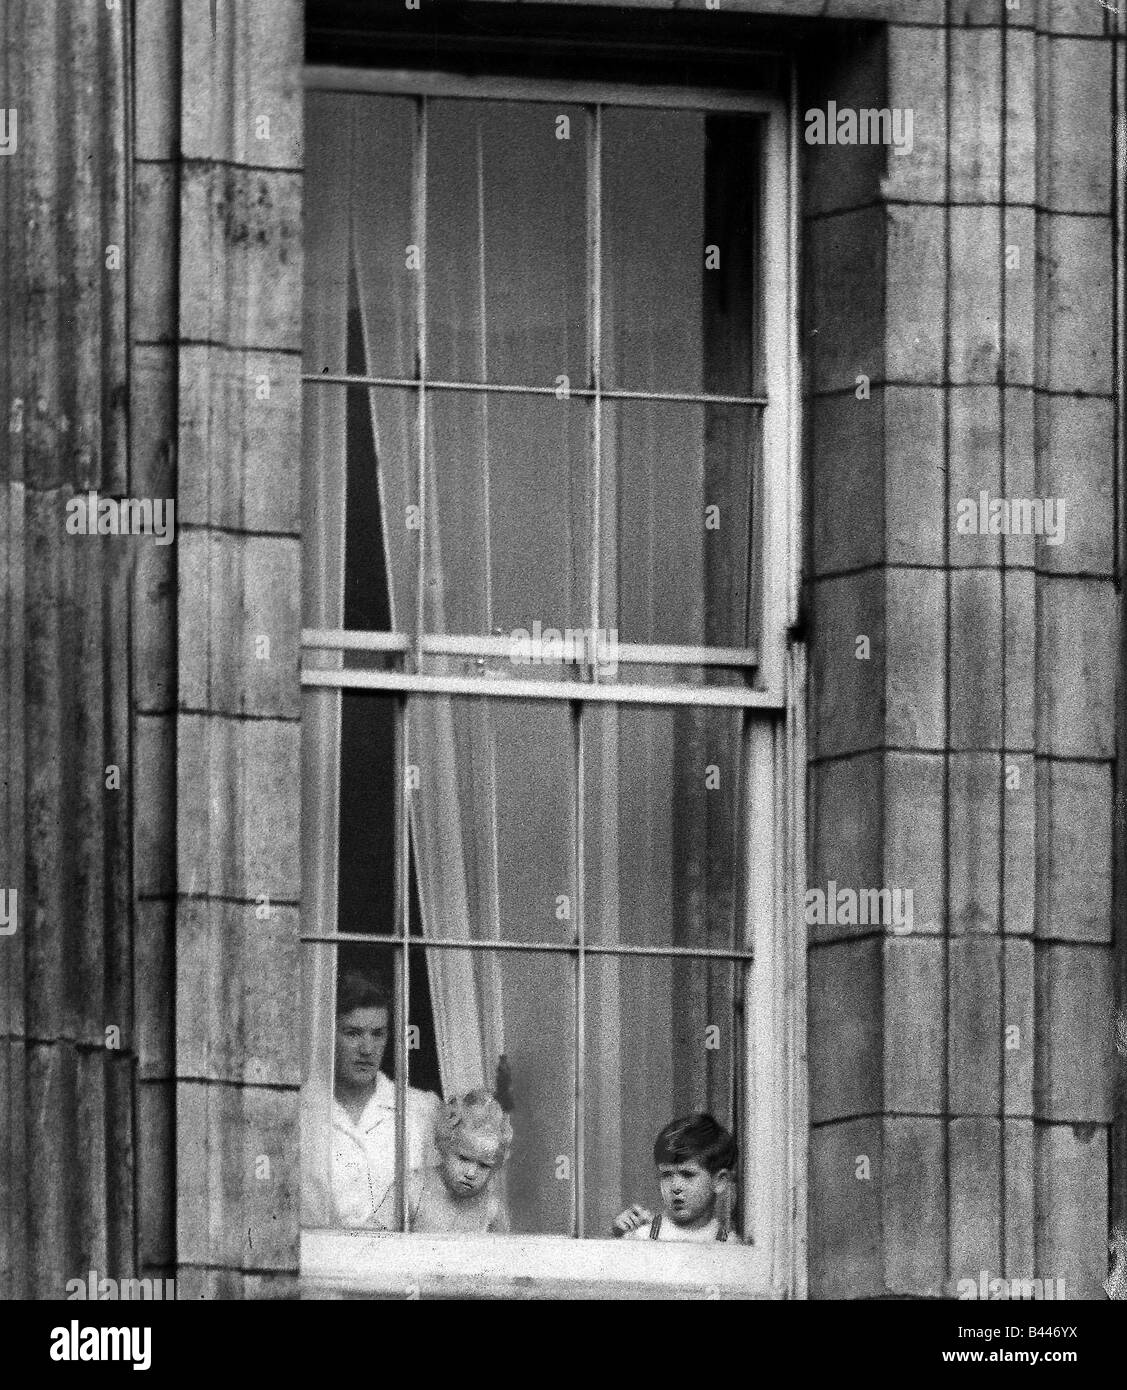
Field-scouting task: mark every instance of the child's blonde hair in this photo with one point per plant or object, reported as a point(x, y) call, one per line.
point(476, 1112)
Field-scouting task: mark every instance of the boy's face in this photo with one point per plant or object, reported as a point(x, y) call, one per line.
point(467, 1164)
point(689, 1191)
point(360, 1046)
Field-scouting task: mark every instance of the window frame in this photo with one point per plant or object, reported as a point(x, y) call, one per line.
point(773, 1141)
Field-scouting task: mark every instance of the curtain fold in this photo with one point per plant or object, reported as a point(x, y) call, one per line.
point(447, 849)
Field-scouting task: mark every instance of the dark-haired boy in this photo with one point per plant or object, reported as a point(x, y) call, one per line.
point(695, 1158)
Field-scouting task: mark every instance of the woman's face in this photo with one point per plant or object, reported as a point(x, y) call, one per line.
point(360, 1046)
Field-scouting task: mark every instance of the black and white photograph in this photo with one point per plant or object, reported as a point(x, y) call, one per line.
point(563, 663)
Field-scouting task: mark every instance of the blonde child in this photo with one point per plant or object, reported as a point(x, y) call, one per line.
point(473, 1136)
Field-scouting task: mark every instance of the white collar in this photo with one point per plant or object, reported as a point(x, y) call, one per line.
point(381, 1099)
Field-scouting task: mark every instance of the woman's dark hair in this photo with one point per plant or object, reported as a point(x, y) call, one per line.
point(696, 1137)
point(357, 991)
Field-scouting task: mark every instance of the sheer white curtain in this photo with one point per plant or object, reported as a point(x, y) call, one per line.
point(453, 858)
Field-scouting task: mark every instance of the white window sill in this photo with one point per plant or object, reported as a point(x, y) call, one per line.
point(347, 1264)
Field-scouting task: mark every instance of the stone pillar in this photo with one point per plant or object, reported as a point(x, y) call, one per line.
point(970, 758)
point(66, 1162)
point(238, 750)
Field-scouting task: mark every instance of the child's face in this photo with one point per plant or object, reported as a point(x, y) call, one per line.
point(467, 1163)
point(689, 1191)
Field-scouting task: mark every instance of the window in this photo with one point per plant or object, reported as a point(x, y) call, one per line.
point(550, 725)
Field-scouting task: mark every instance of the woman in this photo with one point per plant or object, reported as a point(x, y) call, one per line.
point(362, 1116)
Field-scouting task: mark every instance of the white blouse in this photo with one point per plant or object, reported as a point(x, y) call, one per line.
point(363, 1154)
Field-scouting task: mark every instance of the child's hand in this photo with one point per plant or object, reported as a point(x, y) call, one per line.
point(630, 1220)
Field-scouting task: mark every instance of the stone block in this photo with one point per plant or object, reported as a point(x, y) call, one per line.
point(237, 967)
point(977, 659)
point(974, 463)
point(156, 79)
point(976, 1184)
point(240, 624)
point(975, 792)
point(240, 257)
point(976, 114)
point(915, 295)
point(1019, 1173)
point(1020, 615)
point(917, 82)
point(234, 1209)
point(976, 294)
point(843, 320)
point(844, 1029)
point(1075, 1034)
point(156, 210)
point(242, 92)
point(916, 603)
point(845, 814)
point(154, 948)
point(1078, 125)
point(1076, 450)
point(974, 1043)
point(1072, 1207)
point(915, 979)
point(238, 807)
point(1021, 291)
point(914, 503)
point(914, 840)
point(1076, 255)
point(1077, 623)
point(1018, 1036)
point(914, 1207)
point(240, 460)
point(846, 696)
point(852, 75)
point(1020, 151)
point(1019, 858)
point(847, 503)
point(154, 804)
point(1076, 811)
point(845, 1209)
point(1072, 17)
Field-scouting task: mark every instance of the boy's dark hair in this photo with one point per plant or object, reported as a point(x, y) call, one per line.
point(358, 991)
point(697, 1137)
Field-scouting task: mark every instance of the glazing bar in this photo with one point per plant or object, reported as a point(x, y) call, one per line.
point(453, 644)
point(567, 948)
point(725, 697)
point(497, 388)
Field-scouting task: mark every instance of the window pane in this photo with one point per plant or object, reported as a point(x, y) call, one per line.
point(684, 479)
point(368, 814)
point(519, 1006)
point(663, 827)
point(493, 818)
point(384, 517)
point(507, 526)
point(358, 206)
point(664, 1040)
point(679, 251)
point(506, 242)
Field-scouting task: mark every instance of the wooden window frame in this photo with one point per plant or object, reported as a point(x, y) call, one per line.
point(774, 1138)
